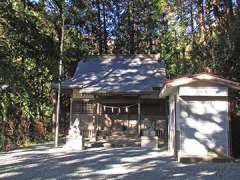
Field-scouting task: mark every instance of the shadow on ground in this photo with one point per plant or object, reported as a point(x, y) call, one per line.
point(45, 162)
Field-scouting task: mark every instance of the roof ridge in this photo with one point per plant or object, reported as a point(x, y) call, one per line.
point(104, 56)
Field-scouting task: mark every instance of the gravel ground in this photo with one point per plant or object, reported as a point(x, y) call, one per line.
point(45, 162)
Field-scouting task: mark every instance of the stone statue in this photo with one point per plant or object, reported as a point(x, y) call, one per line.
point(74, 139)
point(149, 139)
point(149, 131)
point(74, 130)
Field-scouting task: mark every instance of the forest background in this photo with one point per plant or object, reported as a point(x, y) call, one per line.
point(189, 35)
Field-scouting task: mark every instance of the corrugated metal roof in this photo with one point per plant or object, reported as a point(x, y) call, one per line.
point(137, 73)
point(171, 85)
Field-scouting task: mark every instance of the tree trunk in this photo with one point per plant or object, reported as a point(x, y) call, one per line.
point(217, 14)
point(144, 45)
point(192, 23)
point(131, 26)
point(42, 5)
point(149, 23)
point(105, 29)
point(99, 30)
point(209, 20)
point(210, 34)
point(117, 24)
point(230, 8)
point(228, 11)
point(24, 3)
point(238, 7)
point(201, 21)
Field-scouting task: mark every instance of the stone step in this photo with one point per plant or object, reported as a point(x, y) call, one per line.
point(115, 142)
point(124, 143)
point(123, 137)
point(124, 133)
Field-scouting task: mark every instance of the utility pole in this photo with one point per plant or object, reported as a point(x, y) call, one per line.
point(61, 10)
point(4, 108)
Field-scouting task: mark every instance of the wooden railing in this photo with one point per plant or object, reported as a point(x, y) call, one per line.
point(88, 133)
point(161, 133)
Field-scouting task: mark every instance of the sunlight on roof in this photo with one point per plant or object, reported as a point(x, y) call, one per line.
point(187, 80)
point(205, 77)
point(138, 73)
point(140, 77)
point(180, 81)
point(125, 71)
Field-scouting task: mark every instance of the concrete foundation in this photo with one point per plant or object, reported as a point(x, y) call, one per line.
point(149, 142)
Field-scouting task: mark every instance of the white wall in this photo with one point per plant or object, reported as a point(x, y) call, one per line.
point(203, 90)
point(204, 126)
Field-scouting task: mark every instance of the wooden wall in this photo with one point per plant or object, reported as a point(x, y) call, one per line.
point(95, 116)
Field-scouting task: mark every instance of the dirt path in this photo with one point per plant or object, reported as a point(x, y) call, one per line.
point(45, 162)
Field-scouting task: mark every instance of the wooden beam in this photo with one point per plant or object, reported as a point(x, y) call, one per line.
point(139, 117)
point(119, 101)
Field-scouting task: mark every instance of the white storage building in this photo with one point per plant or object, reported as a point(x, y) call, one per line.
point(198, 124)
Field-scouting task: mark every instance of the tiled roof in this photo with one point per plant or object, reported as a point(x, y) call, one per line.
point(138, 73)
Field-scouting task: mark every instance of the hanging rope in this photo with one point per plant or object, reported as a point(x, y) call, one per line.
point(118, 107)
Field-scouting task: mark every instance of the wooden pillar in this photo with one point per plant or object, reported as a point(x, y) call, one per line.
point(230, 150)
point(71, 102)
point(139, 117)
point(95, 120)
point(54, 106)
point(166, 117)
point(98, 114)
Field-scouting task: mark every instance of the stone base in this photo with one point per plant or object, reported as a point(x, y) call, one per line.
point(107, 145)
point(93, 139)
point(195, 159)
point(149, 142)
point(74, 143)
point(190, 158)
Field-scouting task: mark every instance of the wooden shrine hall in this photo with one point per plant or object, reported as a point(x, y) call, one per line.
point(116, 97)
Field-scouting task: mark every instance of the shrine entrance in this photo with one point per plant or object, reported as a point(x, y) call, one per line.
point(118, 119)
point(125, 118)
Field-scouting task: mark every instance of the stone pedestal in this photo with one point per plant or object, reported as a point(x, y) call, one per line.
point(74, 140)
point(149, 142)
point(75, 143)
point(149, 132)
point(93, 139)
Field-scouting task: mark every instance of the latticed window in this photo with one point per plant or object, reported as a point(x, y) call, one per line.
point(82, 107)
